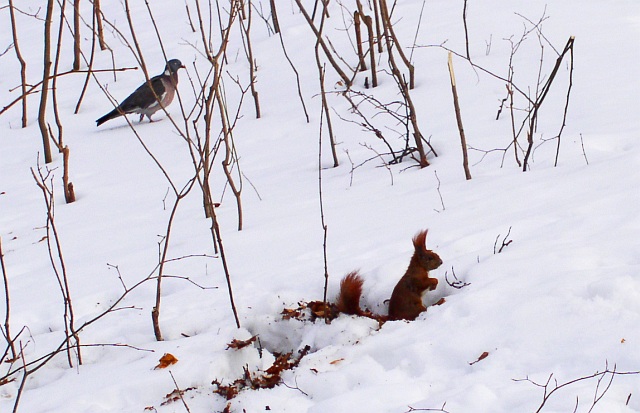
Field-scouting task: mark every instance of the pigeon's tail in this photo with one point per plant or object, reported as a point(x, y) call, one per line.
point(111, 115)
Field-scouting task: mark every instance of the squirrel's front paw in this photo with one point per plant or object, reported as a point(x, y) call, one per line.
point(433, 284)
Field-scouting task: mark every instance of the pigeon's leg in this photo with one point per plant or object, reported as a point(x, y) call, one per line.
point(141, 117)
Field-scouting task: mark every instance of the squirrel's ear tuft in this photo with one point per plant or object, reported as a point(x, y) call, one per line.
point(420, 240)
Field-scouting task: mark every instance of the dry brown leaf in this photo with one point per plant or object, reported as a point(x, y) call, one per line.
point(318, 308)
point(167, 360)
point(337, 361)
point(289, 313)
point(238, 344)
point(175, 395)
point(483, 356)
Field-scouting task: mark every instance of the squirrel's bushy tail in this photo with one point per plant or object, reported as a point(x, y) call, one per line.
point(350, 291)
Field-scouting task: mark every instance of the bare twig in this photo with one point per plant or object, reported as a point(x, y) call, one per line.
point(372, 54)
point(566, 105)
point(7, 303)
point(229, 152)
point(415, 37)
point(362, 65)
point(533, 118)
point(96, 19)
point(504, 243)
point(321, 42)
point(54, 84)
point(42, 111)
point(583, 152)
point(392, 40)
point(155, 312)
point(379, 156)
point(456, 105)
point(218, 240)
point(322, 218)
point(413, 409)
point(466, 30)
point(61, 274)
point(438, 189)
point(274, 16)
point(25, 374)
point(550, 388)
point(323, 95)
point(482, 69)
point(246, 31)
point(98, 16)
point(457, 284)
point(76, 35)
point(295, 71)
point(32, 88)
point(179, 392)
point(23, 64)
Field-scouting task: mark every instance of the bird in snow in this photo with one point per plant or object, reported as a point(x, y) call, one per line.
point(143, 100)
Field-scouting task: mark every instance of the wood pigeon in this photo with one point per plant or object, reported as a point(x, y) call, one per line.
point(143, 101)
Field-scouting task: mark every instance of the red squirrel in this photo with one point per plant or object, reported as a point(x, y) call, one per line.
point(406, 299)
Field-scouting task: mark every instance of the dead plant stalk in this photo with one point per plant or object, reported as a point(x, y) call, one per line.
point(456, 105)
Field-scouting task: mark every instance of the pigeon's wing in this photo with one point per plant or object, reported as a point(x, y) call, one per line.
point(143, 97)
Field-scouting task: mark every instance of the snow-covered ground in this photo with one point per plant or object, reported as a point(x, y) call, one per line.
point(561, 300)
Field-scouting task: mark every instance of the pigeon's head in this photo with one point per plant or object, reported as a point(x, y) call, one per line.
point(172, 66)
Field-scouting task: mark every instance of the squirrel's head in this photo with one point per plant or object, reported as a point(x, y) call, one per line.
point(427, 259)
